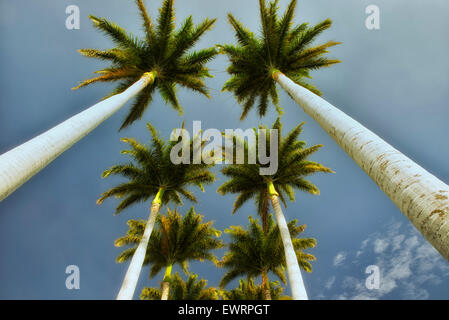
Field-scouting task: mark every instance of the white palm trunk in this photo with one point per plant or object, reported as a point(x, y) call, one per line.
point(421, 196)
point(21, 163)
point(294, 273)
point(166, 283)
point(165, 290)
point(132, 274)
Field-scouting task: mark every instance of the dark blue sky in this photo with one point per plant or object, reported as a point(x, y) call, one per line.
point(393, 80)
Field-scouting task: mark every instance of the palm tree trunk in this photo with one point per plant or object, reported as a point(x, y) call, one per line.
point(294, 273)
point(165, 283)
point(266, 285)
point(264, 212)
point(421, 196)
point(264, 217)
point(132, 275)
point(18, 165)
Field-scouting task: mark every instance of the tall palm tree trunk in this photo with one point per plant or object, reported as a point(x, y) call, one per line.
point(165, 283)
point(18, 165)
point(294, 273)
point(421, 196)
point(266, 285)
point(264, 217)
point(132, 274)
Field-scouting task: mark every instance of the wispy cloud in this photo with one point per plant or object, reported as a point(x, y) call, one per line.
point(380, 245)
point(339, 258)
point(330, 282)
point(408, 267)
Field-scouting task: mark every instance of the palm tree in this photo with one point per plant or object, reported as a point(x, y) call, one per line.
point(293, 166)
point(151, 174)
point(192, 289)
point(247, 290)
point(254, 251)
point(176, 240)
point(281, 47)
point(162, 60)
point(284, 55)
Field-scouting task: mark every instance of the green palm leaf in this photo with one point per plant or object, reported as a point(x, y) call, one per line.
point(150, 170)
point(254, 250)
point(176, 239)
point(165, 52)
point(282, 47)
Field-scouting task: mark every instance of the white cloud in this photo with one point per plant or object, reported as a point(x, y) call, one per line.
point(339, 258)
point(408, 266)
point(330, 282)
point(397, 242)
point(380, 245)
point(362, 247)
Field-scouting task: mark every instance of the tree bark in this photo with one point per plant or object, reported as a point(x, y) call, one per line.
point(266, 285)
point(166, 283)
point(264, 213)
point(165, 290)
point(18, 165)
point(132, 274)
point(420, 196)
point(264, 217)
point(294, 273)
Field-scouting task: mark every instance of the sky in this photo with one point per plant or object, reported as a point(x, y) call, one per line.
point(393, 80)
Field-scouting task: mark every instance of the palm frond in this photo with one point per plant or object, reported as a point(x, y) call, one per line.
point(164, 52)
point(282, 47)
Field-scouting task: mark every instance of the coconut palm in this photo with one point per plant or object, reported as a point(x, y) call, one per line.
point(192, 289)
point(284, 54)
point(247, 290)
point(175, 240)
point(152, 174)
point(293, 167)
point(160, 61)
point(255, 252)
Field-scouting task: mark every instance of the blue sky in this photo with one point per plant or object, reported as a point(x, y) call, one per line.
point(393, 80)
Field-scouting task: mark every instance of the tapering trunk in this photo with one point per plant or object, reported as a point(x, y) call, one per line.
point(264, 217)
point(132, 274)
point(293, 271)
point(165, 290)
point(266, 285)
point(421, 196)
point(18, 165)
point(264, 213)
point(166, 283)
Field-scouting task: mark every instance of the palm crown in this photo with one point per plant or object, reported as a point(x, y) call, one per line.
point(191, 289)
point(152, 170)
point(281, 47)
point(254, 250)
point(176, 239)
point(165, 52)
point(247, 290)
point(293, 167)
